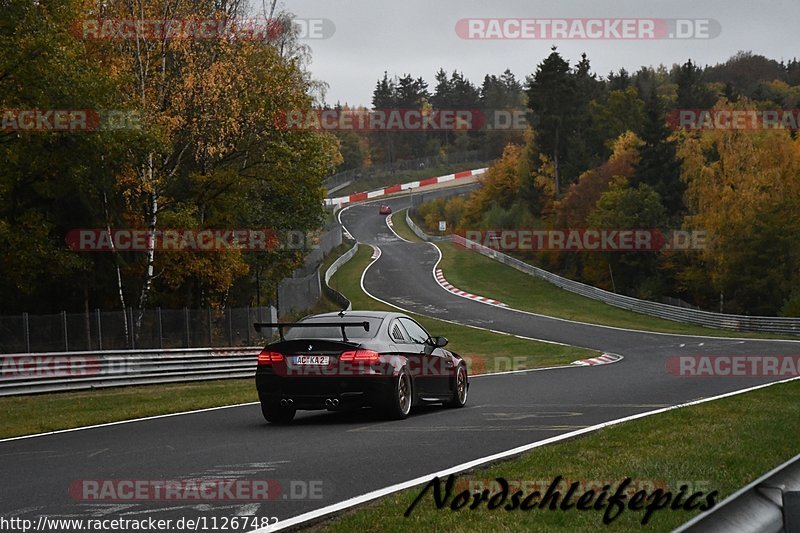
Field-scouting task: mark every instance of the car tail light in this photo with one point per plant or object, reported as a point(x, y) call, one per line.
point(367, 357)
point(267, 358)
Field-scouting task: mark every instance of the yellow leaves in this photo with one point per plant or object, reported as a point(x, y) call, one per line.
point(501, 183)
point(744, 191)
point(627, 146)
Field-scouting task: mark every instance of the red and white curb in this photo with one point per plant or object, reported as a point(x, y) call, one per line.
point(605, 359)
point(357, 197)
point(458, 292)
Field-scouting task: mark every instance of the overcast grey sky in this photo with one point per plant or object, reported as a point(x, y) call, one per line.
point(418, 37)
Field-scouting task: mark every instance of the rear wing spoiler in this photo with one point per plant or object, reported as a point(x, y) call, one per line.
point(342, 325)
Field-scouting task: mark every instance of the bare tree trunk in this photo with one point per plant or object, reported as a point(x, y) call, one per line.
point(116, 265)
point(151, 250)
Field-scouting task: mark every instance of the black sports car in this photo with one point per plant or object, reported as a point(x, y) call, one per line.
point(356, 359)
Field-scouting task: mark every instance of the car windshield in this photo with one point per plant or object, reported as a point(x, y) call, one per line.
point(332, 332)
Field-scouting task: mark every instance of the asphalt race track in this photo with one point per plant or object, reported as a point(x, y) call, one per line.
point(350, 454)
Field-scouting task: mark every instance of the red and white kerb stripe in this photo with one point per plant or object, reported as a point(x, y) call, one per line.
point(605, 359)
point(458, 292)
point(357, 197)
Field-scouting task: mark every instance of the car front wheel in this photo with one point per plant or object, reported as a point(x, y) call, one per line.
point(460, 390)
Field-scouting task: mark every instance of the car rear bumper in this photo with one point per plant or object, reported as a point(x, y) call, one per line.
point(314, 392)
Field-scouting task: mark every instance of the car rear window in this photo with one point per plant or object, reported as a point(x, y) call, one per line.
point(329, 332)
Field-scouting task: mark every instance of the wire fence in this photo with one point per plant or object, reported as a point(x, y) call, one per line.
point(118, 330)
point(166, 328)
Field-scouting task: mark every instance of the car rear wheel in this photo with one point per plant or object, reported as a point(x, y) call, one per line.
point(460, 390)
point(275, 413)
point(399, 401)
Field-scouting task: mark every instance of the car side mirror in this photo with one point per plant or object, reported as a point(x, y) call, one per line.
point(438, 342)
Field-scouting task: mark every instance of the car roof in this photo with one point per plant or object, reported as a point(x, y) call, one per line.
point(359, 314)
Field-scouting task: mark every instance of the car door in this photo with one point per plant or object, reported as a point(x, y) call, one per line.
point(431, 373)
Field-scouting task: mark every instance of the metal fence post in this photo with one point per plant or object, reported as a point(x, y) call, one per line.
point(230, 325)
point(247, 324)
point(64, 329)
point(186, 327)
point(133, 332)
point(88, 324)
point(160, 328)
point(99, 330)
point(210, 333)
point(26, 332)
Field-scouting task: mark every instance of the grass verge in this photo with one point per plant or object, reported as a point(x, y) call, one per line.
point(24, 415)
point(401, 227)
point(475, 273)
point(720, 445)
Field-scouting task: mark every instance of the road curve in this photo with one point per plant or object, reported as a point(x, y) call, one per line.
point(641, 376)
point(351, 454)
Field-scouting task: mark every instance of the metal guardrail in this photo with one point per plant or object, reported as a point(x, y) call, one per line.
point(781, 325)
point(333, 294)
point(770, 504)
point(418, 231)
point(74, 371)
point(679, 314)
point(342, 179)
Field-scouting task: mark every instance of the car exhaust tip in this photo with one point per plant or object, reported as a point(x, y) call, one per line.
point(286, 403)
point(335, 402)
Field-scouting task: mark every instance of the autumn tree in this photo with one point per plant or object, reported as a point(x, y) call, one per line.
point(742, 187)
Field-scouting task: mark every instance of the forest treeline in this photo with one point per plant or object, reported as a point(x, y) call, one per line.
point(184, 137)
point(605, 152)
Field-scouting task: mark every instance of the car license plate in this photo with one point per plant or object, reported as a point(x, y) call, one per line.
point(311, 360)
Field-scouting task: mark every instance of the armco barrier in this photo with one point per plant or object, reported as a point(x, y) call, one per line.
point(333, 294)
point(342, 179)
point(378, 193)
point(781, 325)
point(419, 233)
point(669, 312)
point(769, 504)
point(73, 371)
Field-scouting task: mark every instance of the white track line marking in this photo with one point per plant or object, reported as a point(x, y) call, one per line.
point(118, 422)
point(365, 291)
point(364, 498)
